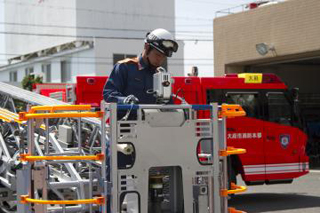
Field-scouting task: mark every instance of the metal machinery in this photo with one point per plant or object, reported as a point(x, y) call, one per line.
point(58, 159)
point(179, 162)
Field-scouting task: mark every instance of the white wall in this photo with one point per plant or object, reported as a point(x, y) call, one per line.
point(45, 13)
point(82, 18)
point(136, 17)
point(81, 63)
point(56, 71)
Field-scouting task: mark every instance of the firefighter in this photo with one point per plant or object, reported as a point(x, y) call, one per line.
point(131, 79)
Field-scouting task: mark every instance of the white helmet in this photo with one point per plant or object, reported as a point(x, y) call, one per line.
point(162, 40)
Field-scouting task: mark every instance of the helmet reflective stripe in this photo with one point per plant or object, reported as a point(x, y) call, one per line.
point(159, 34)
point(163, 41)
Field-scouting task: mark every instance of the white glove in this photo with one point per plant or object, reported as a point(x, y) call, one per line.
point(131, 99)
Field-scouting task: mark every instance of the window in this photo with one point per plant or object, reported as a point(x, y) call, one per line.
point(279, 109)
point(65, 71)
point(205, 150)
point(119, 57)
point(46, 70)
point(249, 102)
point(13, 76)
point(29, 71)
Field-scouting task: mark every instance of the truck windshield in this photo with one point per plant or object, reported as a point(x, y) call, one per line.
point(279, 108)
point(248, 101)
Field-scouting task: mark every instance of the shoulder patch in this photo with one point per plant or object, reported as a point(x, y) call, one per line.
point(129, 61)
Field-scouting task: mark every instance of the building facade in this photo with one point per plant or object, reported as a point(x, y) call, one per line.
point(61, 40)
point(288, 30)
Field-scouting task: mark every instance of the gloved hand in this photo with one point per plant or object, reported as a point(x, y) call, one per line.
point(131, 99)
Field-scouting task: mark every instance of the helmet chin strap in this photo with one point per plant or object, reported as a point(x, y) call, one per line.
point(150, 65)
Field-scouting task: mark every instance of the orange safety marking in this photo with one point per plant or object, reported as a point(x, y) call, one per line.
point(59, 107)
point(231, 151)
point(234, 190)
point(98, 200)
point(27, 157)
point(23, 116)
point(233, 210)
point(231, 110)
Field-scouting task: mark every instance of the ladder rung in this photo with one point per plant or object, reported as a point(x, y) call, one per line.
point(231, 151)
point(234, 190)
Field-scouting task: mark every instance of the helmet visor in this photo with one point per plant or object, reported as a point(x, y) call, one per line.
point(166, 47)
point(169, 45)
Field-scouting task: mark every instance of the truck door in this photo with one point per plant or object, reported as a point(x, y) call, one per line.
point(247, 132)
point(281, 149)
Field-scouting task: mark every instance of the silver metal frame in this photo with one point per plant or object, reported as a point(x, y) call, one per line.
point(155, 146)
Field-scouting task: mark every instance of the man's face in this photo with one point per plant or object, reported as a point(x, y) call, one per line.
point(156, 58)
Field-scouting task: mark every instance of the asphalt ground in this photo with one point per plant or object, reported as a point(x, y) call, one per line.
point(303, 195)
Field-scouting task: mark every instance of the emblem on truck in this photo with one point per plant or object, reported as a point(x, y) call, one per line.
point(284, 141)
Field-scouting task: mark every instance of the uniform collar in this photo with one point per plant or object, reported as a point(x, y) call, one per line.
point(141, 65)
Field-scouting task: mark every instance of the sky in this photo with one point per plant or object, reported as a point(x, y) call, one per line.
point(194, 20)
point(194, 25)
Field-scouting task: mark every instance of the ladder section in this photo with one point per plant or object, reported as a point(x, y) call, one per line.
point(228, 112)
point(59, 176)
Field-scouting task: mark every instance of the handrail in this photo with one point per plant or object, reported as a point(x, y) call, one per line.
point(8, 116)
point(235, 189)
point(23, 116)
point(231, 111)
point(98, 200)
point(231, 151)
point(59, 107)
point(27, 157)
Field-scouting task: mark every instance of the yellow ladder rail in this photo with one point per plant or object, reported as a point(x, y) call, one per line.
point(60, 107)
point(23, 116)
point(98, 200)
point(27, 157)
point(69, 111)
point(8, 116)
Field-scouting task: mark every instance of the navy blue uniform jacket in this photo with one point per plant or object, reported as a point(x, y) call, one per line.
point(130, 76)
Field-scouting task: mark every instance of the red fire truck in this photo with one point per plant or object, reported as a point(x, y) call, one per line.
point(271, 132)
